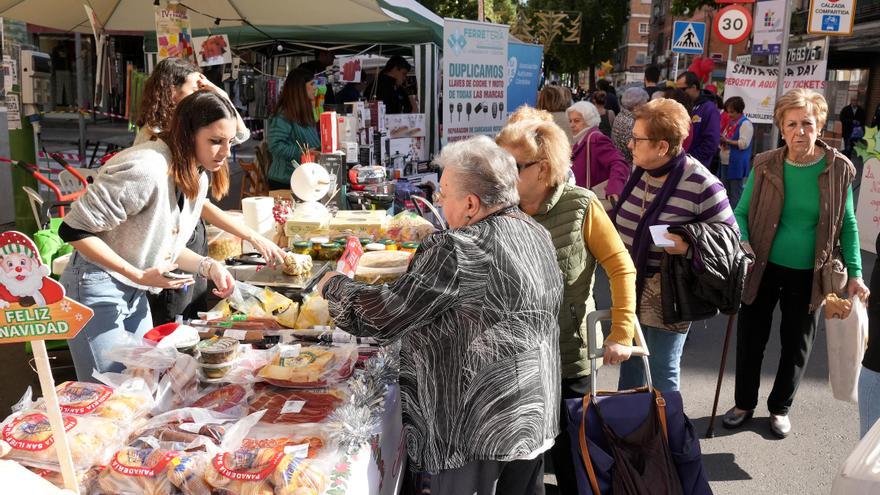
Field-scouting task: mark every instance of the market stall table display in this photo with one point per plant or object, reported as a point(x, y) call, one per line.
point(261, 395)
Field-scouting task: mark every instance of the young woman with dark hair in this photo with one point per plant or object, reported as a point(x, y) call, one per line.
point(172, 80)
point(131, 226)
point(293, 128)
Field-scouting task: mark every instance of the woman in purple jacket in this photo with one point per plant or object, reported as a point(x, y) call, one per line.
point(607, 172)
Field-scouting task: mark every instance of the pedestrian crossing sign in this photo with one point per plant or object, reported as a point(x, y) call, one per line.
point(688, 37)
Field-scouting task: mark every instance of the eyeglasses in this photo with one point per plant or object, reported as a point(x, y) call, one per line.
point(522, 166)
point(635, 140)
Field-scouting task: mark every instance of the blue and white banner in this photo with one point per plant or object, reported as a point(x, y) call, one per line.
point(474, 79)
point(523, 74)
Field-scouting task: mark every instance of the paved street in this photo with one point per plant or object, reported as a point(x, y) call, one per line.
point(751, 460)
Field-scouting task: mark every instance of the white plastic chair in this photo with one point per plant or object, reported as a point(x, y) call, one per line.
point(36, 204)
point(70, 184)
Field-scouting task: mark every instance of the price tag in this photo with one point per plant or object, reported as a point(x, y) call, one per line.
point(297, 451)
point(293, 407)
point(235, 334)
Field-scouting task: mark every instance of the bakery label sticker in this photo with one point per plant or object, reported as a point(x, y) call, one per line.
point(238, 475)
point(33, 305)
point(33, 432)
point(81, 397)
point(132, 462)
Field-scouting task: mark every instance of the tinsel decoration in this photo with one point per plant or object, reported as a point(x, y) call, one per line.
point(355, 422)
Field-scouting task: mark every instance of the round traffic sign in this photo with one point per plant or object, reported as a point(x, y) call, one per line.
point(733, 24)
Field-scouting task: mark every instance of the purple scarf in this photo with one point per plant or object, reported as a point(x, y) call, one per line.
point(642, 240)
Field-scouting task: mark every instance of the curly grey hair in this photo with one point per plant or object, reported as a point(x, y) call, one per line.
point(485, 169)
point(633, 97)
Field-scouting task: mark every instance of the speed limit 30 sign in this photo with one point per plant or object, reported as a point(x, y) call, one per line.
point(733, 24)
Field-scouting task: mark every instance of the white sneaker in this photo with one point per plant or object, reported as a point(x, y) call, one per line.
point(780, 425)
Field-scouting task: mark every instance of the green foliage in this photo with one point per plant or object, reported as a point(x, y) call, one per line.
point(499, 11)
point(688, 7)
point(601, 33)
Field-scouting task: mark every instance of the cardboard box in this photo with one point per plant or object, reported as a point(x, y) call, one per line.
point(329, 132)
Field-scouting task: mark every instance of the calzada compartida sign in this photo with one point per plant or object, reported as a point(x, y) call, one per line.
point(474, 79)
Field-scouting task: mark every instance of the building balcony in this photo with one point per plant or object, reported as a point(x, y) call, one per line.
point(867, 10)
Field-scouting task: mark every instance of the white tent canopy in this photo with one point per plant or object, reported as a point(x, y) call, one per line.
point(138, 15)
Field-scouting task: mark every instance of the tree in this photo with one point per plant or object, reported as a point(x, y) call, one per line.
point(689, 7)
point(601, 33)
point(499, 11)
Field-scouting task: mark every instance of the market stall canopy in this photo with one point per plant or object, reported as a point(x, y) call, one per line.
point(138, 15)
point(408, 22)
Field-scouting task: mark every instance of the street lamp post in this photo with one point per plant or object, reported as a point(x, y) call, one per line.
point(783, 62)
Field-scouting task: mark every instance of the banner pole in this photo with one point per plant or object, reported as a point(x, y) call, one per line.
point(783, 63)
point(53, 412)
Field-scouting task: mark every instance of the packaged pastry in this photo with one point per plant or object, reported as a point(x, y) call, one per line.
point(297, 265)
point(139, 470)
point(188, 473)
point(295, 406)
point(126, 403)
point(217, 350)
point(92, 440)
point(215, 371)
point(836, 307)
point(310, 366)
point(382, 267)
point(265, 471)
point(407, 226)
point(85, 480)
point(315, 312)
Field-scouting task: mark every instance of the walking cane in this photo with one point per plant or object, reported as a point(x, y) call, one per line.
point(710, 433)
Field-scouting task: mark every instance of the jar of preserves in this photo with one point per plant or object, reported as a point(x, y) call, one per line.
point(390, 244)
point(302, 247)
point(409, 247)
point(330, 251)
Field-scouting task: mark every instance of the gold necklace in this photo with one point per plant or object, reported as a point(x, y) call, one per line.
point(645, 195)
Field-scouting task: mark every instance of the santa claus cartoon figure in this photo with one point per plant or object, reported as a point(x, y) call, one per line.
point(24, 279)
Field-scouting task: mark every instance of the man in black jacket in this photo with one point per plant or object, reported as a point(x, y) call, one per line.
point(851, 116)
point(389, 86)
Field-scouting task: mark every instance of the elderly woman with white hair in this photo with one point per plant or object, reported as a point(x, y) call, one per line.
point(477, 318)
point(596, 163)
point(622, 129)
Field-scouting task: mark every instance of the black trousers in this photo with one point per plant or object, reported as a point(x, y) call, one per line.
point(791, 289)
point(274, 184)
point(563, 464)
point(166, 305)
point(490, 478)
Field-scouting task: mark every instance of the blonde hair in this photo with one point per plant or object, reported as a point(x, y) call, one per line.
point(665, 120)
point(812, 101)
point(554, 99)
point(526, 112)
point(541, 140)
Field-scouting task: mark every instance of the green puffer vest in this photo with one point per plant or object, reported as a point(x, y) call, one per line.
point(563, 216)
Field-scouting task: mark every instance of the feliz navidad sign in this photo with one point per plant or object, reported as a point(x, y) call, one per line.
point(33, 305)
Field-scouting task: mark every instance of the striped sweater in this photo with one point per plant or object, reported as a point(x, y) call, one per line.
point(700, 197)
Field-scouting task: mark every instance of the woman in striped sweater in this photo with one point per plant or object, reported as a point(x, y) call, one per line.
point(667, 187)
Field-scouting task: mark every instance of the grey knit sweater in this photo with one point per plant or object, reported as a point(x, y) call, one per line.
point(133, 207)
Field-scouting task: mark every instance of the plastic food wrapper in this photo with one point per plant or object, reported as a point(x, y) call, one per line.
point(85, 480)
point(315, 312)
point(92, 439)
point(382, 267)
point(141, 469)
point(171, 376)
point(295, 366)
point(296, 406)
point(270, 462)
point(243, 370)
point(407, 226)
point(252, 301)
point(190, 428)
point(230, 399)
point(287, 318)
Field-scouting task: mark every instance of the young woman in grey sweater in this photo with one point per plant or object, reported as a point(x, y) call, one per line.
point(131, 226)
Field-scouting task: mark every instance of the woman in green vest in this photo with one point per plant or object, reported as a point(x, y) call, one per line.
point(583, 235)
